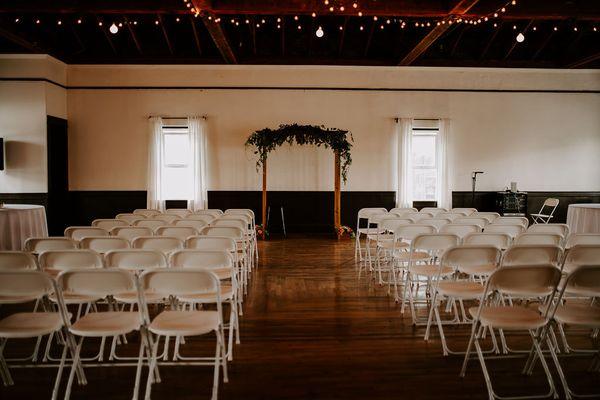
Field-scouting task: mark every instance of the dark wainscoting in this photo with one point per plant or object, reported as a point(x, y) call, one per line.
point(85, 206)
point(303, 211)
point(486, 201)
point(25, 198)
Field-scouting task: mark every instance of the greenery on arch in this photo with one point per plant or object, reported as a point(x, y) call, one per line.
point(266, 140)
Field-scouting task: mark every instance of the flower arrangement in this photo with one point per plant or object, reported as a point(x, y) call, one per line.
point(261, 232)
point(344, 230)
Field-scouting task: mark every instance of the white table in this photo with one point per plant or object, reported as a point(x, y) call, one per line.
point(584, 218)
point(18, 222)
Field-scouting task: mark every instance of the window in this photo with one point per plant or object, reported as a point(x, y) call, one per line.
point(176, 169)
point(424, 160)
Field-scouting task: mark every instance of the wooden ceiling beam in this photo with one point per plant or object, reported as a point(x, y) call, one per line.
point(196, 36)
point(215, 30)
point(489, 43)
point(133, 36)
point(584, 61)
point(108, 38)
point(20, 41)
point(438, 31)
point(165, 33)
point(515, 43)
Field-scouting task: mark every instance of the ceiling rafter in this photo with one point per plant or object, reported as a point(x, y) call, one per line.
point(133, 36)
point(215, 30)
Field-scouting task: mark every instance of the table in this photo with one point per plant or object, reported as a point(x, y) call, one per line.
point(584, 218)
point(18, 222)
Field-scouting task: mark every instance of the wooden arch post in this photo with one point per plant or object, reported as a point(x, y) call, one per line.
point(264, 199)
point(337, 196)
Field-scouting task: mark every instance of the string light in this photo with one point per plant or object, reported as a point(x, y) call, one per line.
point(295, 18)
point(299, 27)
point(314, 14)
point(17, 20)
point(79, 21)
point(331, 8)
point(342, 8)
point(177, 19)
point(113, 29)
point(520, 37)
point(319, 33)
point(99, 23)
point(59, 22)
point(360, 14)
point(156, 22)
point(354, 5)
point(362, 28)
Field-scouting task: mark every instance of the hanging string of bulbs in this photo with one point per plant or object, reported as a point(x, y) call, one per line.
point(330, 7)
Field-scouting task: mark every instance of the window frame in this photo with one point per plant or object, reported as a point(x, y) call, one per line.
point(425, 131)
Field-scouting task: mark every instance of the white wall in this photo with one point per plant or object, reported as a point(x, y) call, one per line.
point(544, 141)
point(24, 106)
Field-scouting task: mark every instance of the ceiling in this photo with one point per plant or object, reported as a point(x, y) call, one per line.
point(557, 33)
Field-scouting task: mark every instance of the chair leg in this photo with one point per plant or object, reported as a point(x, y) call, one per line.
point(73, 368)
point(463, 370)
point(6, 378)
point(151, 368)
point(138, 371)
point(486, 375)
point(217, 367)
point(59, 372)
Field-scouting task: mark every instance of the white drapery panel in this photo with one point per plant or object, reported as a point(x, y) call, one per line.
point(443, 195)
point(155, 153)
point(404, 187)
point(197, 127)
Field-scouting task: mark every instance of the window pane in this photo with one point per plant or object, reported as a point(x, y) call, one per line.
point(177, 149)
point(424, 184)
point(177, 183)
point(423, 150)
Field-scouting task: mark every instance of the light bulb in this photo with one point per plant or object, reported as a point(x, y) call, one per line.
point(113, 28)
point(520, 38)
point(319, 32)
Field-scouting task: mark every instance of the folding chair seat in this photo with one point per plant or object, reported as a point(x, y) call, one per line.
point(146, 212)
point(181, 232)
point(103, 244)
point(499, 240)
point(186, 282)
point(28, 285)
point(131, 232)
point(543, 216)
point(180, 212)
point(39, 245)
point(79, 232)
point(108, 224)
point(102, 283)
point(130, 218)
point(521, 283)
point(166, 244)
point(511, 230)
point(539, 238)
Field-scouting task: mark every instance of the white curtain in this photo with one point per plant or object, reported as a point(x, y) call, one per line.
point(197, 127)
point(443, 195)
point(154, 182)
point(404, 187)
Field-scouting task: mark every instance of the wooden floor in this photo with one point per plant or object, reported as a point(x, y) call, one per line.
point(312, 329)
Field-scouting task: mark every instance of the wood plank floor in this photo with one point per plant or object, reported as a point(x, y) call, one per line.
point(312, 329)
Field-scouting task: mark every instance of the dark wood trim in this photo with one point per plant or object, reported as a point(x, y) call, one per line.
point(310, 88)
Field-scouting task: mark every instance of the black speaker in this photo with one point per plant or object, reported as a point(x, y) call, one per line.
point(1, 154)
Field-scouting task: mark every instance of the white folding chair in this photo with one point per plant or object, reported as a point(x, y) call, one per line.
point(401, 210)
point(102, 244)
point(558, 229)
point(102, 284)
point(386, 243)
point(464, 211)
point(583, 313)
point(192, 223)
point(108, 224)
point(364, 214)
point(499, 240)
point(79, 232)
point(221, 263)
point(543, 216)
point(531, 254)
point(510, 230)
point(490, 216)
point(522, 221)
point(539, 238)
point(436, 222)
point(166, 244)
point(23, 286)
point(575, 239)
point(212, 212)
point(181, 232)
point(39, 245)
point(206, 218)
point(167, 218)
point(146, 212)
point(460, 230)
point(17, 260)
point(241, 241)
point(480, 222)
point(452, 216)
point(131, 232)
point(150, 223)
point(180, 212)
point(581, 254)
point(468, 264)
point(433, 210)
point(130, 218)
point(520, 283)
point(424, 253)
point(186, 282)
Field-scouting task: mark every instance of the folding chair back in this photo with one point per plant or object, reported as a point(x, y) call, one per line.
point(179, 282)
point(510, 230)
point(365, 213)
point(200, 217)
point(490, 216)
point(480, 222)
point(102, 244)
point(79, 232)
point(211, 243)
point(469, 259)
point(235, 223)
point(544, 216)
point(180, 212)
point(463, 211)
point(575, 239)
point(557, 229)
point(525, 280)
point(17, 260)
point(584, 281)
point(452, 216)
point(167, 218)
point(39, 245)
point(433, 210)
point(181, 232)
point(524, 222)
point(460, 230)
point(227, 231)
point(135, 259)
point(391, 223)
point(403, 210)
point(499, 240)
point(62, 260)
point(130, 218)
point(98, 283)
point(148, 213)
point(131, 232)
point(209, 259)
point(410, 232)
point(436, 222)
point(150, 223)
point(243, 211)
point(532, 255)
point(192, 223)
point(434, 243)
point(23, 286)
point(212, 212)
point(108, 224)
point(538, 238)
point(581, 254)
point(166, 244)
